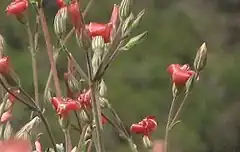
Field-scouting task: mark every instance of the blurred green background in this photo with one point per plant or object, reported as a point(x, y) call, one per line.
point(138, 84)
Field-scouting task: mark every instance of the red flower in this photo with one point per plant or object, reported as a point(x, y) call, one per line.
point(60, 3)
point(85, 99)
point(17, 7)
point(14, 145)
point(145, 127)
point(75, 14)
point(5, 65)
point(180, 73)
point(6, 116)
point(64, 105)
point(97, 29)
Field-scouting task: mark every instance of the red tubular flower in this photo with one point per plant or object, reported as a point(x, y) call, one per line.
point(85, 99)
point(145, 127)
point(15, 145)
point(5, 65)
point(63, 106)
point(6, 116)
point(73, 10)
point(17, 7)
point(97, 29)
point(180, 73)
point(60, 3)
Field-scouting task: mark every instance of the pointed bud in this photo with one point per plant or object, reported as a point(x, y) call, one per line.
point(2, 46)
point(134, 41)
point(127, 24)
point(103, 102)
point(48, 95)
point(102, 89)
point(98, 43)
point(84, 117)
point(201, 58)
point(190, 83)
point(147, 142)
point(125, 8)
point(138, 19)
point(60, 22)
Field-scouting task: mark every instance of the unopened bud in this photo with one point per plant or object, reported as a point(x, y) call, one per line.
point(48, 95)
point(2, 46)
point(138, 19)
point(8, 131)
point(102, 89)
point(104, 102)
point(190, 83)
point(134, 41)
point(60, 21)
point(74, 84)
point(147, 142)
point(127, 25)
point(124, 9)
point(201, 58)
point(98, 43)
point(84, 117)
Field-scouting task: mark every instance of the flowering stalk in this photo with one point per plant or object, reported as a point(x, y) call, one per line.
point(50, 51)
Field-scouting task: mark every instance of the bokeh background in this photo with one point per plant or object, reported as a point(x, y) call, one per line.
point(138, 84)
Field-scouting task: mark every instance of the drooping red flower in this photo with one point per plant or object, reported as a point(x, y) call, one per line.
point(64, 105)
point(97, 29)
point(75, 14)
point(85, 99)
point(17, 7)
point(5, 65)
point(180, 73)
point(6, 116)
point(60, 3)
point(15, 145)
point(145, 127)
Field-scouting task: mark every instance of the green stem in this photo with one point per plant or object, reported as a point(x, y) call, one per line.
point(168, 123)
point(82, 138)
point(178, 111)
point(68, 143)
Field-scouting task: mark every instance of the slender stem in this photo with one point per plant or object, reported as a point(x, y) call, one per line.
point(97, 115)
point(168, 123)
point(50, 51)
point(88, 7)
point(68, 143)
point(89, 149)
point(49, 131)
point(178, 111)
point(82, 138)
point(34, 64)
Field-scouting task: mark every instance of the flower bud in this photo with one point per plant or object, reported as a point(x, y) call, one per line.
point(8, 131)
point(125, 8)
point(102, 89)
point(134, 41)
point(60, 22)
point(127, 24)
point(2, 46)
point(84, 117)
point(98, 43)
point(104, 102)
point(138, 19)
point(201, 58)
point(147, 142)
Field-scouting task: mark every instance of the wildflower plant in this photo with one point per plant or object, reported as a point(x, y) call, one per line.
point(101, 43)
